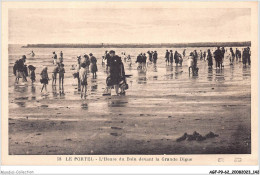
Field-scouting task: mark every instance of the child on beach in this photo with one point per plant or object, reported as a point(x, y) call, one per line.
point(54, 58)
point(45, 78)
point(54, 74)
point(32, 72)
point(33, 75)
point(83, 79)
point(61, 75)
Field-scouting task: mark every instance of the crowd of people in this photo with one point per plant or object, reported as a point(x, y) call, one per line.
point(116, 77)
point(177, 58)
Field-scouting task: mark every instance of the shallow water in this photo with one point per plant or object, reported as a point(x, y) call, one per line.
point(159, 80)
point(160, 105)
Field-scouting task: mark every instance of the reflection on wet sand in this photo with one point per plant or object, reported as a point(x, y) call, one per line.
point(84, 106)
point(160, 105)
point(210, 74)
point(219, 75)
point(21, 88)
point(33, 89)
point(21, 103)
point(54, 92)
point(118, 102)
point(141, 77)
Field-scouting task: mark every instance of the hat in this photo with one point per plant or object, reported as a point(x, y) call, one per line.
point(23, 57)
point(90, 54)
point(112, 51)
point(31, 67)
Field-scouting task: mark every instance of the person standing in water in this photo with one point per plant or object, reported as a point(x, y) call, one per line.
point(232, 56)
point(108, 59)
point(86, 61)
point(54, 58)
point(54, 74)
point(144, 61)
point(61, 77)
point(77, 73)
point(155, 57)
point(184, 53)
point(93, 61)
point(237, 53)
point(83, 79)
point(180, 59)
point(248, 55)
point(196, 55)
point(176, 58)
point(201, 55)
point(171, 57)
point(139, 61)
point(61, 57)
point(32, 73)
point(115, 70)
point(244, 57)
point(32, 53)
point(19, 69)
point(150, 56)
point(204, 55)
point(44, 78)
point(218, 57)
point(209, 58)
point(167, 57)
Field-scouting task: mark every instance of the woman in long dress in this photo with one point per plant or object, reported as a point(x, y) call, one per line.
point(93, 62)
point(209, 58)
point(176, 58)
point(45, 78)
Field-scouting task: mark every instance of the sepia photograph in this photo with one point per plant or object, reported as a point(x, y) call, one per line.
point(106, 79)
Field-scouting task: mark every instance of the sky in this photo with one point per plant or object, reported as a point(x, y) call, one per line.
point(123, 25)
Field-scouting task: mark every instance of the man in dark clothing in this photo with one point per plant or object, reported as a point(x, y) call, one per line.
point(248, 56)
point(245, 57)
point(139, 60)
point(218, 54)
point(171, 56)
point(196, 54)
point(155, 57)
point(150, 56)
point(167, 57)
point(115, 70)
point(232, 56)
point(237, 53)
point(20, 69)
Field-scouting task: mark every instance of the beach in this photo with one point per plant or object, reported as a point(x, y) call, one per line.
point(160, 105)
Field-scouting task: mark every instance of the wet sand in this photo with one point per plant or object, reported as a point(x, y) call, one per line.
point(161, 104)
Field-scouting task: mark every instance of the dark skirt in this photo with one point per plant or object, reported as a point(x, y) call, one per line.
point(115, 79)
point(210, 62)
point(44, 81)
point(93, 68)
